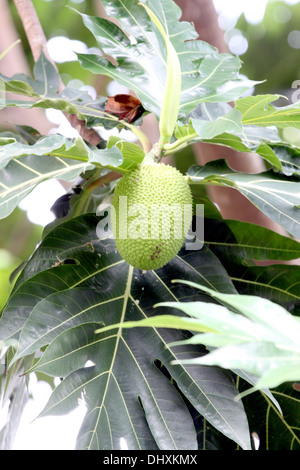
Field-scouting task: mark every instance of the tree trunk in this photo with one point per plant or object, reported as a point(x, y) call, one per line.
point(203, 15)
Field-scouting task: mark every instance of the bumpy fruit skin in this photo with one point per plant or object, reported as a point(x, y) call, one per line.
point(152, 184)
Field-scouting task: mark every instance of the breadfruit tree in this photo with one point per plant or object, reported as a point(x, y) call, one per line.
point(173, 342)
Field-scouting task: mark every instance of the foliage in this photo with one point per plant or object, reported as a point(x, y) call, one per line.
point(265, 343)
point(68, 310)
point(267, 36)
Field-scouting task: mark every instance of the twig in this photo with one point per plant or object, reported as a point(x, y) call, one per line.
point(6, 51)
point(103, 180)
point(38, 43)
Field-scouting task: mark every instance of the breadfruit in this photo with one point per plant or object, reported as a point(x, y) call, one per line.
point(151, 215)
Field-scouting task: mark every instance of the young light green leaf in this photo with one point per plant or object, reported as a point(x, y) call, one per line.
point(257, 110)
point(262, 311)
point(22, 175)
point(59, 146)
point(230, 123)
point(276, 196)
point(289, 157)
point(160, 321)
point(69, 100)
point(262, 338)
point(218, 123)
point(132, 153)
point(45, 83)
point(56, 145)
point(23, 166)
point(270, 363)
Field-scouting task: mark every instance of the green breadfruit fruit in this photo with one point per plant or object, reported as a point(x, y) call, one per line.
point(151, 222)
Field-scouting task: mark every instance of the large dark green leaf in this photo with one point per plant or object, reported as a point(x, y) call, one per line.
point(275, 431)
point(81, 283)
point(239, 246)
point(245, 241)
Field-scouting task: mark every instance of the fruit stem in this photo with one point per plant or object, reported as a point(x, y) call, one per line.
point(149, 158)
point(179, 143)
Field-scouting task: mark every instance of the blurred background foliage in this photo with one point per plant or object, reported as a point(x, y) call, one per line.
point(273, 51)
point(59, 21)
point(269, 49)
point(18, 239)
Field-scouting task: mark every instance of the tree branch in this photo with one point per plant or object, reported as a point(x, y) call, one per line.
point(34, 32)
point(38, 43)
point(103, 180)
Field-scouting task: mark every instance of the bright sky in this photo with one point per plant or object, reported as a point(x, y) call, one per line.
point(56, 433)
